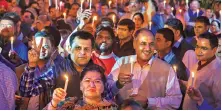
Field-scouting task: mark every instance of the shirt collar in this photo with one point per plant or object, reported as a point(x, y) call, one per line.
point(167, 58)
point(134, 58)
point(208, 62)
point(177, 43)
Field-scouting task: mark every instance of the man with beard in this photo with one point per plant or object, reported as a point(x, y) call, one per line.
point(37, 79)
point(139, 76)
point(103, 54)
point(10, 27)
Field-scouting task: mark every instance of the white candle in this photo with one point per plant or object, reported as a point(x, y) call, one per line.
point(131, 65)
point(150, 25)
point(110, 2)
point(60, 5)
point(50, 2)
point(56, 4)
point(12, 39)
point(66, 83)
point(114, 19)
point(90, 4)
point(187, 1)
point(164, 4)
point(81, 6)
point(93, 21)
point(192, 79)
point(197, 12)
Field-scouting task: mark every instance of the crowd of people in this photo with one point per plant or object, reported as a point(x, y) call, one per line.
point(110, 54)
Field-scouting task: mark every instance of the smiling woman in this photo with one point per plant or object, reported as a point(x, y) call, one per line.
point(92, 86)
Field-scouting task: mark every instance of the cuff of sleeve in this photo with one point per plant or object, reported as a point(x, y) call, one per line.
point(151, 102)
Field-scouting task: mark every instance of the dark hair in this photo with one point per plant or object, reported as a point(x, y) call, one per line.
point(82, 35)
point(32, 16)
point(202, 19)
point(96, 68)
point(217, 21)
point(14, 17)
point(167, 34)
point(130, 103)
point(105, 21)
point(175, 24)
point(211, 37)
point(108, 29)
point(142, 30)
point(56, 37)
point(139, 14)
point(104, 4)
point(31, 3)
point(50, 7)
point(127, 22)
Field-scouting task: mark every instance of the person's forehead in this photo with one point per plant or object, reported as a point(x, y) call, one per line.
point(82, 42)
point(199, 24)
point(103, 32)
point(145, 36)
point(123, 26)
point(92, 75)
point(6, 22)
point(203, 42)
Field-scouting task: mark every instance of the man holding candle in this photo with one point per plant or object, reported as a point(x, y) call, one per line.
point(207, 76)
point(151, 87)
point(38, 76)
point(181, 48)
point(164, 40)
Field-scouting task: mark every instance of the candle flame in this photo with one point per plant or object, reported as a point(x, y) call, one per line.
point(110, 3)
point(94, 17)
point(192, 74)
point(172, 8)
point(180, 10)
point(164, 1)
point(175, 67)
point(64, 14)
point(131, 60)
point(66, 77)
point(12, 38)
point(150, 23)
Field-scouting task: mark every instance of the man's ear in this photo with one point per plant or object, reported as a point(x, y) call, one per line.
point(69, 49)
point(169, 43)
point(134, 43)
point(215, 50)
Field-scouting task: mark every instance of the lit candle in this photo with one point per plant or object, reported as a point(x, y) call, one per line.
point(172, 8)
point(187, 1)
point(50, 2)
point(175, 68)
point(64, 15)
point(56, 4)
point(90, 4)
point(60, 5)
point(114, 19)
point(131, 65)
point(110, 2)
point(180, 10)
point(66, 83)
point(192, 79)
point(94, 19)
point(12, 39)
point(198, 12)
point(164, 4)
point(81, 5)
point(150, 25)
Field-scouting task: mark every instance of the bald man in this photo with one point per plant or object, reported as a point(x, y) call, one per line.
point(139, 77)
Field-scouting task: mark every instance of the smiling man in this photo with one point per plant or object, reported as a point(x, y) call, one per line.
point(207, 75)
point(138, 77)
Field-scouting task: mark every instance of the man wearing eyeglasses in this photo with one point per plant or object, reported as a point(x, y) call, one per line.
point(204, 87)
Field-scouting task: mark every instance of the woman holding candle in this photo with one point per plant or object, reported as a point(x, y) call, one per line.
point(92, 86)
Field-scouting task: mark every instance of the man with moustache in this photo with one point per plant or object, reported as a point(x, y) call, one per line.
point(139, 77)
point(204, 88)
point(103, 54)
